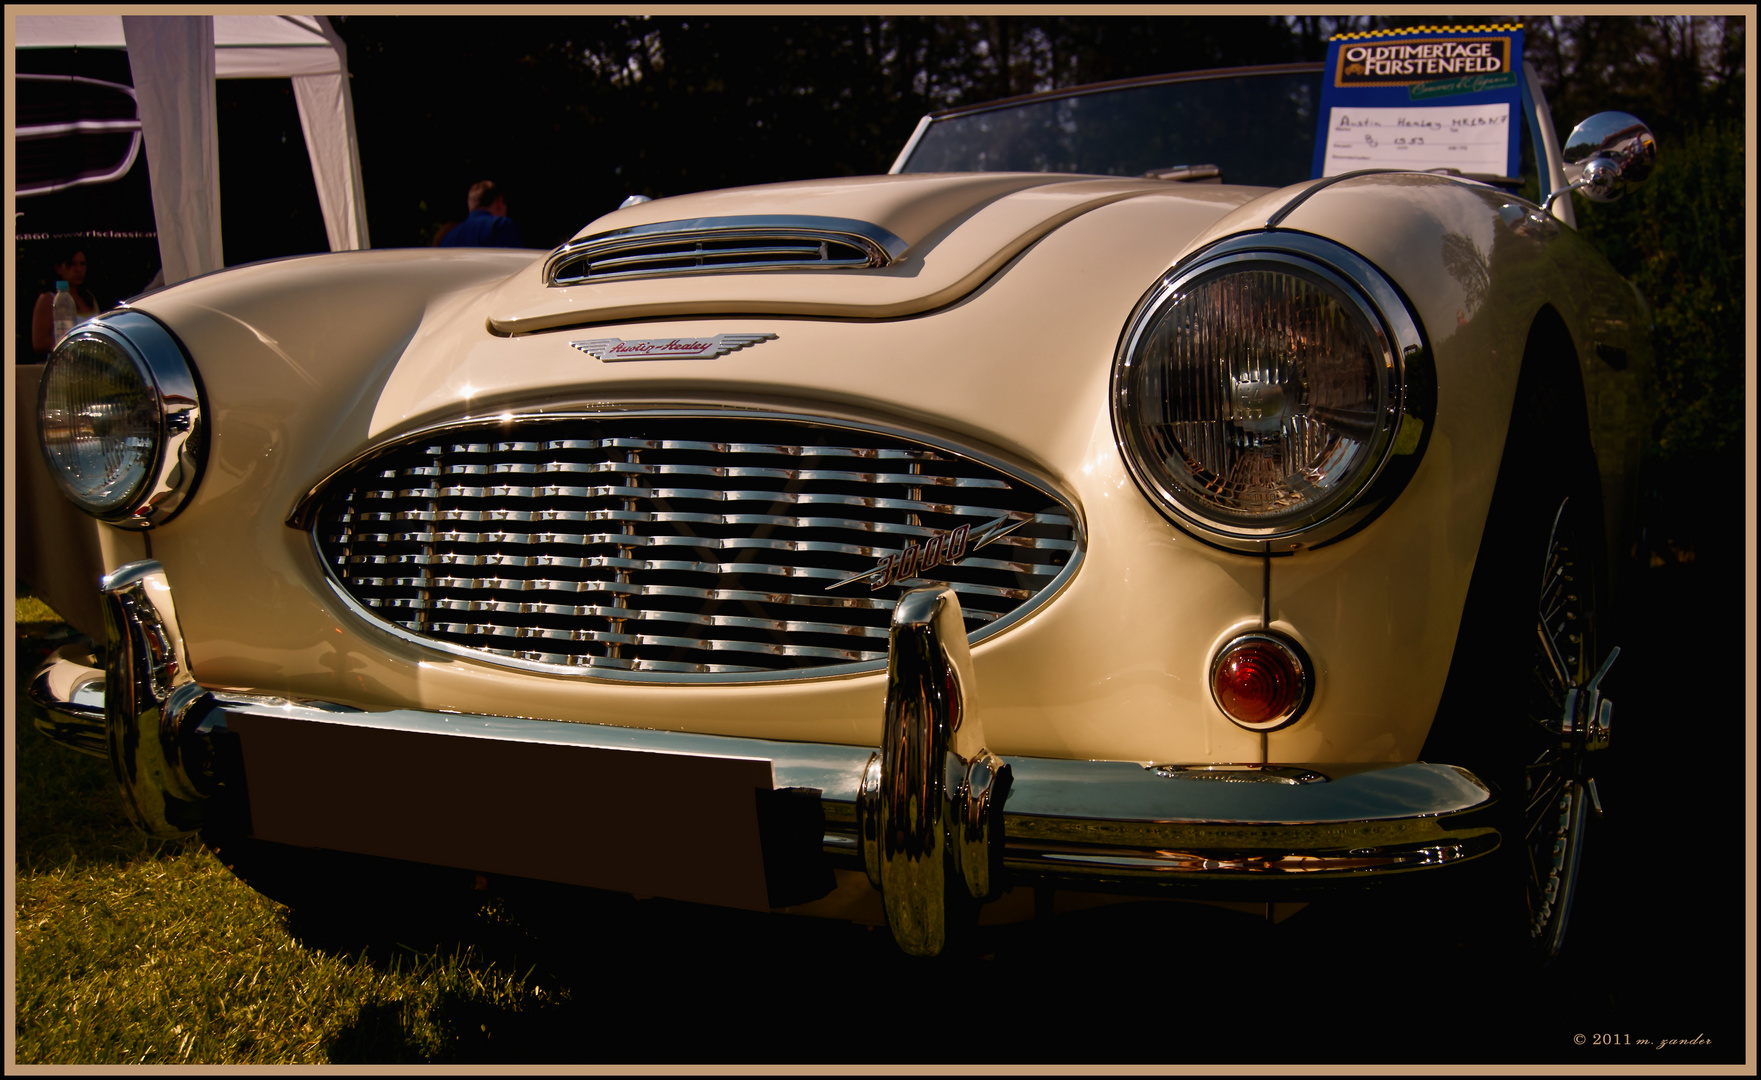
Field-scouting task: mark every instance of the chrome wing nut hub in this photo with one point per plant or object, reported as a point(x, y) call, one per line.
point(930, 810)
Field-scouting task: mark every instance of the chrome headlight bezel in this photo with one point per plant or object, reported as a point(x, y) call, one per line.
point(1405, 397)
point(173, 465)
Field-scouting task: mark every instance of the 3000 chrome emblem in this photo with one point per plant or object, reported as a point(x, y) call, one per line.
point(946, 547)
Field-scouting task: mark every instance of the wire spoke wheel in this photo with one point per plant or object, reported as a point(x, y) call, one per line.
point(1555, 800)
point(1522, 705)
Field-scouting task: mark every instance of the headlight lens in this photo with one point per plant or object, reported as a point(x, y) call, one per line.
point(119, 420)
point(99, 423)
point(1258, 394)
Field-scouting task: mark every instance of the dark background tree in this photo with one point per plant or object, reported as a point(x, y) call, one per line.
point(573, 114)
point(1679, 238)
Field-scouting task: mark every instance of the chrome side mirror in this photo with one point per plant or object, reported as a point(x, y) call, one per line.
point(1604, 155)
point(1609, 151)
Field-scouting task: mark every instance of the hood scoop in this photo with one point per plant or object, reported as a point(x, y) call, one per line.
point(899, 246)
point(724, 245)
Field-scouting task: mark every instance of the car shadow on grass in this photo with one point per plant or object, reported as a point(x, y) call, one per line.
point(615, 981)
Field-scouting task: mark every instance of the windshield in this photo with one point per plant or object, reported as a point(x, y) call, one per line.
point(1256, 128)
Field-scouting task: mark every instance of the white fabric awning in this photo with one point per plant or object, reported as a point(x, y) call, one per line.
point(175, 88)
point(245, 46)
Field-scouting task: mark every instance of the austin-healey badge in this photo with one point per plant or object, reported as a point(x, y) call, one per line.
point(614, 349)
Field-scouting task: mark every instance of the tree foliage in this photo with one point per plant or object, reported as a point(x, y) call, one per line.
point(1680, 238)
point(576, 113)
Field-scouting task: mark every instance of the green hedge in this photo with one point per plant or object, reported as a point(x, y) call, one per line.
point(1680, 239)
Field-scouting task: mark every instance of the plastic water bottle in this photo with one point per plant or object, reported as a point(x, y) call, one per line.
point(63, 311)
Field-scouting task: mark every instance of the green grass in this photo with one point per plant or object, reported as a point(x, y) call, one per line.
point(132, 951)
point(29, 610)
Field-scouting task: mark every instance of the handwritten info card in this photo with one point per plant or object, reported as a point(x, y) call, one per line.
point(1471, 138)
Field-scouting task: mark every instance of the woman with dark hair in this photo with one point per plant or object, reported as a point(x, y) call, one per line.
point(71, 268)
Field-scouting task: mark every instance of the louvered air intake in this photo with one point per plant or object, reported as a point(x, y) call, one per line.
point(723, 245)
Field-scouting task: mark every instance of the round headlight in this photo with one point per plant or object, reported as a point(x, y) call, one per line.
point(1258, 395)
point(119, 420)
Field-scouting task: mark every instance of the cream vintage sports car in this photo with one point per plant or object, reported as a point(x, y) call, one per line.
point(1095, 503)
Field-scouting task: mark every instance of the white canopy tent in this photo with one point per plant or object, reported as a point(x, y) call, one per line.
point(175, 60)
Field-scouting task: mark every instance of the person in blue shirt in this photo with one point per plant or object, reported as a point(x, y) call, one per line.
point(488, 224)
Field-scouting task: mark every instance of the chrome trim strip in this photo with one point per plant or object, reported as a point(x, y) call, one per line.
point(616, 265)
point(623, 588)
point(1410, 388)
point(1289, 206)
point(1551, 176)
point(1160, 800)
point(624, 540)
point(621, 443)
point(42, 131)
point(620, 467)
point(1096, 865)
point(304, 518)
point(911, 144)
point(737, 595)
point(879, 246)
point(182, 436)
point(48, 131)
point(97, 177)
point(883, 528)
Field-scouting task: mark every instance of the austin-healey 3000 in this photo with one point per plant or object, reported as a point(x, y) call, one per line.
point(1100, 502)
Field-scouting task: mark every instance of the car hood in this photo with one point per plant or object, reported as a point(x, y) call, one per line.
point(958, 229)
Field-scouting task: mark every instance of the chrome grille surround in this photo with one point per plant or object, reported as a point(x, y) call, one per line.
point(673, 544)
point(723, 245)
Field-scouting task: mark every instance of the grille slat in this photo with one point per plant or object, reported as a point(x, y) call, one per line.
point(653, 574)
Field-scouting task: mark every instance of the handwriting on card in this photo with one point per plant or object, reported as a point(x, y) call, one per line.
point(1471, 138)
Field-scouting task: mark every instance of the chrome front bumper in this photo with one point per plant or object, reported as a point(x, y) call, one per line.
point(938, 822)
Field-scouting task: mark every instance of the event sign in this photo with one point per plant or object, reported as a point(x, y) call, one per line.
point(1420, 98)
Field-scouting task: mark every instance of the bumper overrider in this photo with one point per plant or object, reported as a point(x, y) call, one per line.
point(938, 821)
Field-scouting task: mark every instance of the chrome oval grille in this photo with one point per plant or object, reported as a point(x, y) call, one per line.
point(678, 545)
point(723, 245)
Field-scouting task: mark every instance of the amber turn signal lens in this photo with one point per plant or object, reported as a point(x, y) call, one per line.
point(1261, 681)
